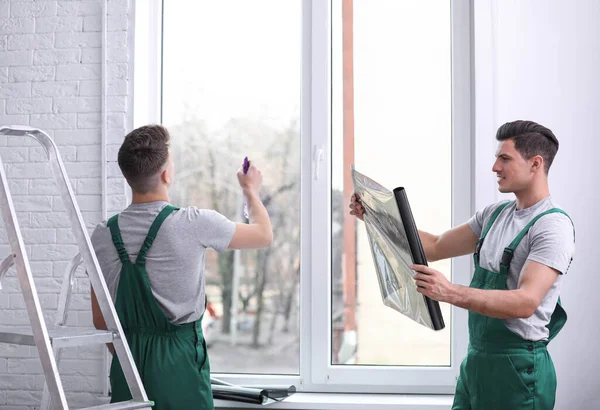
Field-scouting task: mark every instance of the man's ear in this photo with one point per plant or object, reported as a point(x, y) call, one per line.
point(165, 177)
point(537, 163)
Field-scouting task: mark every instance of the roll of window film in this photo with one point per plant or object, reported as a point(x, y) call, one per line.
point(395, 246)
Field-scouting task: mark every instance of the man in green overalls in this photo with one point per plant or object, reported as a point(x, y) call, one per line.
point(521, 250)
point(152, 258)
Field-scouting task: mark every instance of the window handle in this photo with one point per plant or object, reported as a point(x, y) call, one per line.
point(319, 151)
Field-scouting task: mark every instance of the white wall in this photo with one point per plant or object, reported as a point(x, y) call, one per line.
point(539, 60)
point(50, 72)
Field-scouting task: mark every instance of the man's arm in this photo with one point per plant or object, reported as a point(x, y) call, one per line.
point(98, 319)
point(258, 233)
point(536, 280)
point(457, 241)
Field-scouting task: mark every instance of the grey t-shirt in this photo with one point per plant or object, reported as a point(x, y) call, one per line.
point(175, 262)
point(550, 241)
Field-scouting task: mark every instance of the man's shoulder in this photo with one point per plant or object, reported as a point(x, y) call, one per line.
point(100, 234)
point(558, 222)
point(194, 212)
point(560, 211)
point(508, 204)
point(100, 227)
point(557, 217)
point(192, 218)
point(489, 210)
point(554, 227)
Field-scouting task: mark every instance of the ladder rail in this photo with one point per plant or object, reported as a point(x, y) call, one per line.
point(46, 398)
point(32, 302)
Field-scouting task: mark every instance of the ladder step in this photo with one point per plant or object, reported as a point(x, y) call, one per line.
point(18, 130)
point(131, 404)
point(59, 337)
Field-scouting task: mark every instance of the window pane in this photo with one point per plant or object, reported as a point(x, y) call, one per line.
point(392, 119)
point(231, 88)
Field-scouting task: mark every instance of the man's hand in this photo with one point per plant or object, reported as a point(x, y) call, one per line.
point(356, 207)
point(98, 319)
point(250, 181)
point(432, 283)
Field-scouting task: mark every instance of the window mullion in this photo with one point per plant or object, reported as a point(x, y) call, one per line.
point(316, 104)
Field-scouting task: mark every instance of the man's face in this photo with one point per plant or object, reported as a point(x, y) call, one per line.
point(512, 170)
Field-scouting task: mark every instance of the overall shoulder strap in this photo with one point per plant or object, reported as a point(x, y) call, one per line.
point(487, 228)
point(493, 219)
point(162, 215)
point(509, 250)
point(115, 232)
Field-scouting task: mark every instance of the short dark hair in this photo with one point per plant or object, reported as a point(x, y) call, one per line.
point(530, 139)
point(142, 155)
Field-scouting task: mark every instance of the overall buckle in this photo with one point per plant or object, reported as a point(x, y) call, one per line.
point(507, 256)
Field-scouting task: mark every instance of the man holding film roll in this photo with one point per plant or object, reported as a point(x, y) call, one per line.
point(522, 249)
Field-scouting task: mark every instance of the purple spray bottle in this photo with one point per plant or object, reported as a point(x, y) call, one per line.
point(245, 170)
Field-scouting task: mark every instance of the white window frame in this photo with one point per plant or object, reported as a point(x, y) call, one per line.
point(316, 374)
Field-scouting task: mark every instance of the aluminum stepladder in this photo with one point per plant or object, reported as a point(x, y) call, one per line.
point(48, 342)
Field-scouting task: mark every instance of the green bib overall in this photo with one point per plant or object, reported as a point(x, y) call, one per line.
point(171, 359)
point(503, 371)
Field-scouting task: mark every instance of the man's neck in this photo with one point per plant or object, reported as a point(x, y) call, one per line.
point(531, 197)
point(149, 197)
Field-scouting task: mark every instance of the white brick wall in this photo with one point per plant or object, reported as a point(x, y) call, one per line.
point(50, 77)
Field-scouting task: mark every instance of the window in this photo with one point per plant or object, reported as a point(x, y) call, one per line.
point(234, 91)
point(392, 97)
point(306, 88)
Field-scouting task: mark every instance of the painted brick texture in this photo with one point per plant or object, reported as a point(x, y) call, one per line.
point(50, 78)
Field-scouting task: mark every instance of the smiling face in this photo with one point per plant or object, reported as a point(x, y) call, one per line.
point(514, 173)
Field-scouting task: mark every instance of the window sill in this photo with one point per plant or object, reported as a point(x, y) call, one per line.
point(338, 401)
